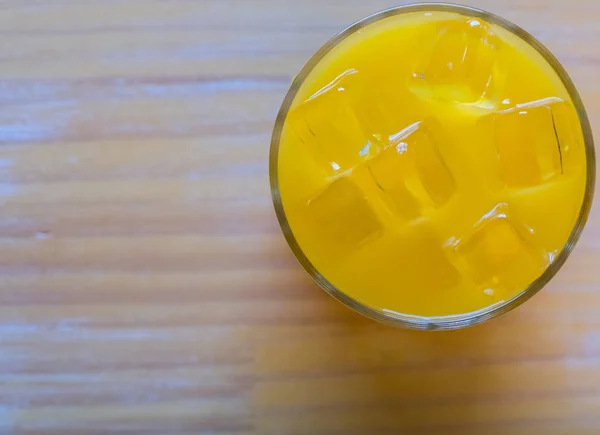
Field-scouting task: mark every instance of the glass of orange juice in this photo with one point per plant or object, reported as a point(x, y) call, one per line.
point(432, 166)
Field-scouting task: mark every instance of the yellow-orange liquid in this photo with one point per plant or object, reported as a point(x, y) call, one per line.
point(432, 164)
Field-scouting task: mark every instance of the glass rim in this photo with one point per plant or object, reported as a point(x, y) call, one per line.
point(448, 322)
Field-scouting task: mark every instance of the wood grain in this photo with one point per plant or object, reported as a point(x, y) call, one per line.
point(145, 287)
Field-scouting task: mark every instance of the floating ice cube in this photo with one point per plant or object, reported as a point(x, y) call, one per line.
point(418, 253)
point(500, 248)
point(530, 140)
point(341, 121)
point(343, 215)
point(411, 171)
point(459, 63)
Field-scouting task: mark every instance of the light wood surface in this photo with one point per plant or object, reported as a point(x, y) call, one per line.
point(145, 287)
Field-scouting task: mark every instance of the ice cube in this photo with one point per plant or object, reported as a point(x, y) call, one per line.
point(340, 121)
point(343, 215)
point(411, 171)
point(530, 140)
point(499, 251)
point(418, 252)
point(459, 63)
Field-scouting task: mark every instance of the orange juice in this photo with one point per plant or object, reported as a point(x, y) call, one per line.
point(432, 164)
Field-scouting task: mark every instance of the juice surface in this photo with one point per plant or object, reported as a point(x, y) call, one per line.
point(432, 164)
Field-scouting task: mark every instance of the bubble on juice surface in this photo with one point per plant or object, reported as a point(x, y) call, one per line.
point(411, 172)
point(499, 252)
point(343, 214)
point(341, 122)
point(532, 141)
point(459, 62)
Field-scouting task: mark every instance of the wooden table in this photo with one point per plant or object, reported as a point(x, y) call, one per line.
point(145, 287)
